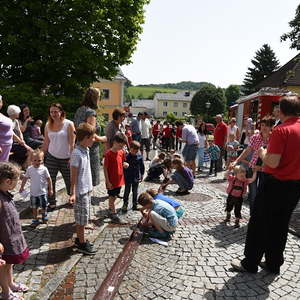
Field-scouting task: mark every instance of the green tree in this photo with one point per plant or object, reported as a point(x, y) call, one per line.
point(294, 35)
point(232, 93)
point(208, 93)
point(264, 63)
point(171, 118)
point(66, 45)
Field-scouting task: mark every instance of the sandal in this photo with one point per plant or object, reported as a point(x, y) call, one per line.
point(19, 288)
point(90, 227)
point(10, 296)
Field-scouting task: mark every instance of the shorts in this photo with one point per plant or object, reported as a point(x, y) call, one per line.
point(114, 192)
point(16, 259)
point(82, 209)
point(162, 222)
point(189, 152)
point(39, 201)
point(146, 143)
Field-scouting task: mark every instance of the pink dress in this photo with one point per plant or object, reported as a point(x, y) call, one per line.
point(6, 137)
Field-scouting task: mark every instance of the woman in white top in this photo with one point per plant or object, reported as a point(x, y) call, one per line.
point(202, 132)
point(58, 145)
point(233, 129)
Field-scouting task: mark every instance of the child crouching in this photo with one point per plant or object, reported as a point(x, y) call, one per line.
point(237, 188)
point(81, 184)
point(182, 176)
point(159, 214)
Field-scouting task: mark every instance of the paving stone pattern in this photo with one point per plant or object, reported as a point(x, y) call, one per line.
point(195, 265)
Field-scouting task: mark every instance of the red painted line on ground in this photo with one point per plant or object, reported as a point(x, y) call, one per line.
point(113, 279)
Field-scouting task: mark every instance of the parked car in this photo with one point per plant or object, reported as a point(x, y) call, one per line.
point(210, 128)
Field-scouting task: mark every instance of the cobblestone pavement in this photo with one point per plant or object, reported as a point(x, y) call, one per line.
point(195, 265)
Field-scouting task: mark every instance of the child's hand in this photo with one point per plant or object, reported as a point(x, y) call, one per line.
point(72, 199)
point(125, 165)
point(2, 262)
point(1, 248)
point(108, 185)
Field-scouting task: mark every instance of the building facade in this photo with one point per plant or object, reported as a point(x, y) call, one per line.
point(112, 94)
point(142, 105)
point(177, 103)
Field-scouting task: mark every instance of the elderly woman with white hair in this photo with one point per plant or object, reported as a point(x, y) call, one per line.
point(6, 135)
point(21, 152)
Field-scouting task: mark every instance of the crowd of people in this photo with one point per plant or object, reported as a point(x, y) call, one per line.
point(262, 157)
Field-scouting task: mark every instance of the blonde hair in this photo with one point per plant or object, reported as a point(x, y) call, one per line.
point(9, 171)
point(239, 169)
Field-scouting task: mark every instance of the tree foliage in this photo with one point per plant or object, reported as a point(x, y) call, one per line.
point(208, 93)
point(264, 63)
point(183, 85)
point(66, 45)
point(232, 93)
point(294, 35)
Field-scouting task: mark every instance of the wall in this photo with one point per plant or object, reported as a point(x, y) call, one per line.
point(179, 110)
point(115, 95)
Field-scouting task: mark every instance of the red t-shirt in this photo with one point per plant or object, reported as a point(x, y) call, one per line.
point(220, 134)
point(128, 133)
point(167, 132)
point(178, 132)
point(285, 140)
point(156, 129)
point(114, 164)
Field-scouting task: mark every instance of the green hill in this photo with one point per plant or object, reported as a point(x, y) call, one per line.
point(146, 92)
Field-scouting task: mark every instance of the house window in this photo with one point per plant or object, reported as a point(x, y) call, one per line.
point(175, 104)
point(175, 113)
point(165, 104)
point(105, 94)
point(183, 113)
point(184, 105)
point(165, 113)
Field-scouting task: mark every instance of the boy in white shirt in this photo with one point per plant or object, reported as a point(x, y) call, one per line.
point(40, 185)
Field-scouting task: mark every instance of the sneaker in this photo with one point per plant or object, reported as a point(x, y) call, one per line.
point(119, 196)
point(182, 192)
point(115, 219)
point(134, 207)
point(237, 224)
point(237, 265)
point(35, 221)
point(124, 208)
point(264, 266)
point(86, 248)
point(77, 243)
point(45, 218)
point(227, 218)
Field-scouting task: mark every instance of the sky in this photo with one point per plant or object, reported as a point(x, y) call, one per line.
point(213, 41)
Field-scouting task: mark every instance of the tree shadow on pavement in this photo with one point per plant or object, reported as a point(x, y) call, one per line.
point(227, 235)
point(97, 200)
point(244, 285)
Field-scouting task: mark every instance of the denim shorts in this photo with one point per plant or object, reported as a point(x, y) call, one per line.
point(39, 201)
point(189, 152)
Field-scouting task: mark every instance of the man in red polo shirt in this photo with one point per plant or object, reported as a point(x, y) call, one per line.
point(278, 195)
point(220, 135)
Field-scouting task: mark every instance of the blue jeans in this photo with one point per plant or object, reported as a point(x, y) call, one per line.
point(200, 157)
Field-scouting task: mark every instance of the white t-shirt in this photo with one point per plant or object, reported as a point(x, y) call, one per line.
point(145, 128)
point(38, 180)
point(59, 141)
point(202, 139)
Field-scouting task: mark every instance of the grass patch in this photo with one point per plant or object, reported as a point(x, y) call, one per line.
point(147, 92)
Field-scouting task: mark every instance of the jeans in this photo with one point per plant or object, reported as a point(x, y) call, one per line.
point(200, 157)
point(128, 186)
point(178, 144)
point(213, 165)
point(269, 223)
point(220, 161)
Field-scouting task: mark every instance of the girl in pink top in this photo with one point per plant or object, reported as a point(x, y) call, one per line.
point(237, 188)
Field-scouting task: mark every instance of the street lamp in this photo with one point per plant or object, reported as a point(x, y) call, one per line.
point(207, 105)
